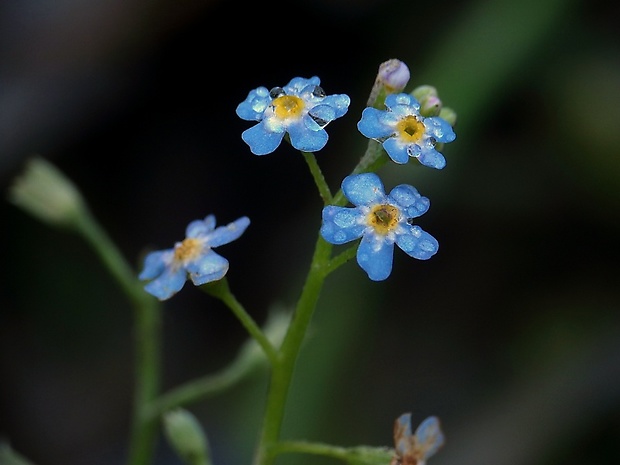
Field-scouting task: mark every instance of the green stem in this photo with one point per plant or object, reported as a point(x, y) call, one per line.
point(147, 313)
point(319, 179)
point(341, 258)
point(314, 448)
point(200, 388)
point(358, 454)
point(282, 372)
point(221, 290)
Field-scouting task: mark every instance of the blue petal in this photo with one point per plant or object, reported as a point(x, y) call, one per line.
point(339, 102)
point(230, 232)
point(305, 139)
point(322, 113)
point(375, 256)
point(341, 224)
point(255, 104)
point(363, 189)
point(207, 268)
point(155, 263)
point(298, 84)
point(198, 228)
point(409, 200)
point(439, 129)
point(429, 437)
point(417, 243)
point(430, 157)
point(373, 125)
point(169, 283)
point(402, 434)
point(393, 100)
point(396, 150)
point(260, 140)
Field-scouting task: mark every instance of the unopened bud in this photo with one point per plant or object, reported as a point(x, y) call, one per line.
point(449, 115)
point(392, 78)
point(186, 437)
point(430, 104)
point(43, 191)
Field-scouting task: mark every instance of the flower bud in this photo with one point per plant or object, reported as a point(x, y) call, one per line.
point(392, 77)
point(430, 104)
point(449, 115)
point(394, 74)
point(43, 191)
point(186, 437)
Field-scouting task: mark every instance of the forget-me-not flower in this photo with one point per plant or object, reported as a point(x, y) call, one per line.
point(301, 109)
point(380, 220)
point(405, 133)
point(416, 448)
point(192, 258)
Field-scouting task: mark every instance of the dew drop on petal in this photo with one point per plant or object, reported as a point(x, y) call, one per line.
point(276, 92)
point(321, 122)
point(318, 92)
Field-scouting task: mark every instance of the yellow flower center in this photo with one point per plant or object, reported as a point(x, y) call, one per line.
point(383, 218)
point(409, 129)
point(288, 106)
point(189, 249)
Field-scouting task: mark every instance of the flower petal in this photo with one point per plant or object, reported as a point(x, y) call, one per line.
point(209, 267)
point(225, 234)
point(403, 437)
point(375, 256)
point(305, 139)
point(396, 150)
point(341, 224)
point(255, 104)
point(417, 243)
point(430, 157)
point(373, 124)
point(402, 98)
point(439, 129)
point(363, 189)
point(429, 437)
point(411, 203)
point(260, 140)
point(167, 284)
point(339, 102)
point(155, 264)
point(199, 228)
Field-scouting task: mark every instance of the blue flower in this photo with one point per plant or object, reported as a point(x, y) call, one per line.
point(193, 258)
point(416, 448)
point(300, 109)
point(405, 133)
point(380, 220)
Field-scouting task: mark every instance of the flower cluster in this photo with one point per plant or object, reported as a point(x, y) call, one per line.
point(299, 113)
point(399, 126)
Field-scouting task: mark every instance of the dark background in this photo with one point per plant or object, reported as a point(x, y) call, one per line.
point(510, 334)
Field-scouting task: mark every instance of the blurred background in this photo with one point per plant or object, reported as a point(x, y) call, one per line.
point(510, 334)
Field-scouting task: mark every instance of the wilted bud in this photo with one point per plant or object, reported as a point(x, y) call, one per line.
point(430, 104)
point(186, 437)
point(43, 191)
point(392, 77)
point(449, 115)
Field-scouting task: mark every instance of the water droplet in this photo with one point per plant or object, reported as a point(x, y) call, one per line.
point(321, 122)
point(318, 92)
point(276, 92)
